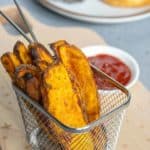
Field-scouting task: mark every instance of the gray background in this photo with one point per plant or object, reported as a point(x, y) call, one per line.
point(133, 37)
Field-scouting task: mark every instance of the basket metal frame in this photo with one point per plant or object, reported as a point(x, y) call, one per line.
point(91, 125)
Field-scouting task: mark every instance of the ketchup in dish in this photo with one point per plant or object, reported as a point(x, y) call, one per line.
point(113, 67)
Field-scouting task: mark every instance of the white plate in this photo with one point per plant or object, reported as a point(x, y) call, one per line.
point(96, 11)
point(122, 55)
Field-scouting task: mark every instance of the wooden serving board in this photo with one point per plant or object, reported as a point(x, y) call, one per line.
point(135, 133)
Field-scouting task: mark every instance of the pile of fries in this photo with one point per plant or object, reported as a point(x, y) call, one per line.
point(63, 85)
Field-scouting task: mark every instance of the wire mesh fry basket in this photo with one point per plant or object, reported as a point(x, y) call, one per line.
point(44, 132)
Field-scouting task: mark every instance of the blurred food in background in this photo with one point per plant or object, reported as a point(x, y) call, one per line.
point(128, 3)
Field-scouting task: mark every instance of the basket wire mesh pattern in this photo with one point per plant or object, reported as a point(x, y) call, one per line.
point(44, 132)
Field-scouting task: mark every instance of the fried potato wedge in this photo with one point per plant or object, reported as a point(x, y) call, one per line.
point(98, 134)
point(82, 78)
point(33, 88)
point(22, 53)
point(27, 78)
point(55, 45)
point(77, 144)
point(68, 141)
point(25, 69)
point(10, 62)
point(61, 100)
point(41, 64)
point(39, 52)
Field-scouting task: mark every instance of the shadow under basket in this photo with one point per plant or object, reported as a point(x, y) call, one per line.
point(45, 132)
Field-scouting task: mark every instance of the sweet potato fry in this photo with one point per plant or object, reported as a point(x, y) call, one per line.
point(82, 78)
point(10, 62)
point(27, 78)
point(57, 44)
point(99, 136)
point(39, 52)
point(41, 64)
point(78, 144)
point(33, 88)
point(63, 103)
point(59, 101)
point(54, 47)
point(24, 69)
point(22, 53)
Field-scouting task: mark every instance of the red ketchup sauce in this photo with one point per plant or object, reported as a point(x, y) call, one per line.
point(113, 67)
